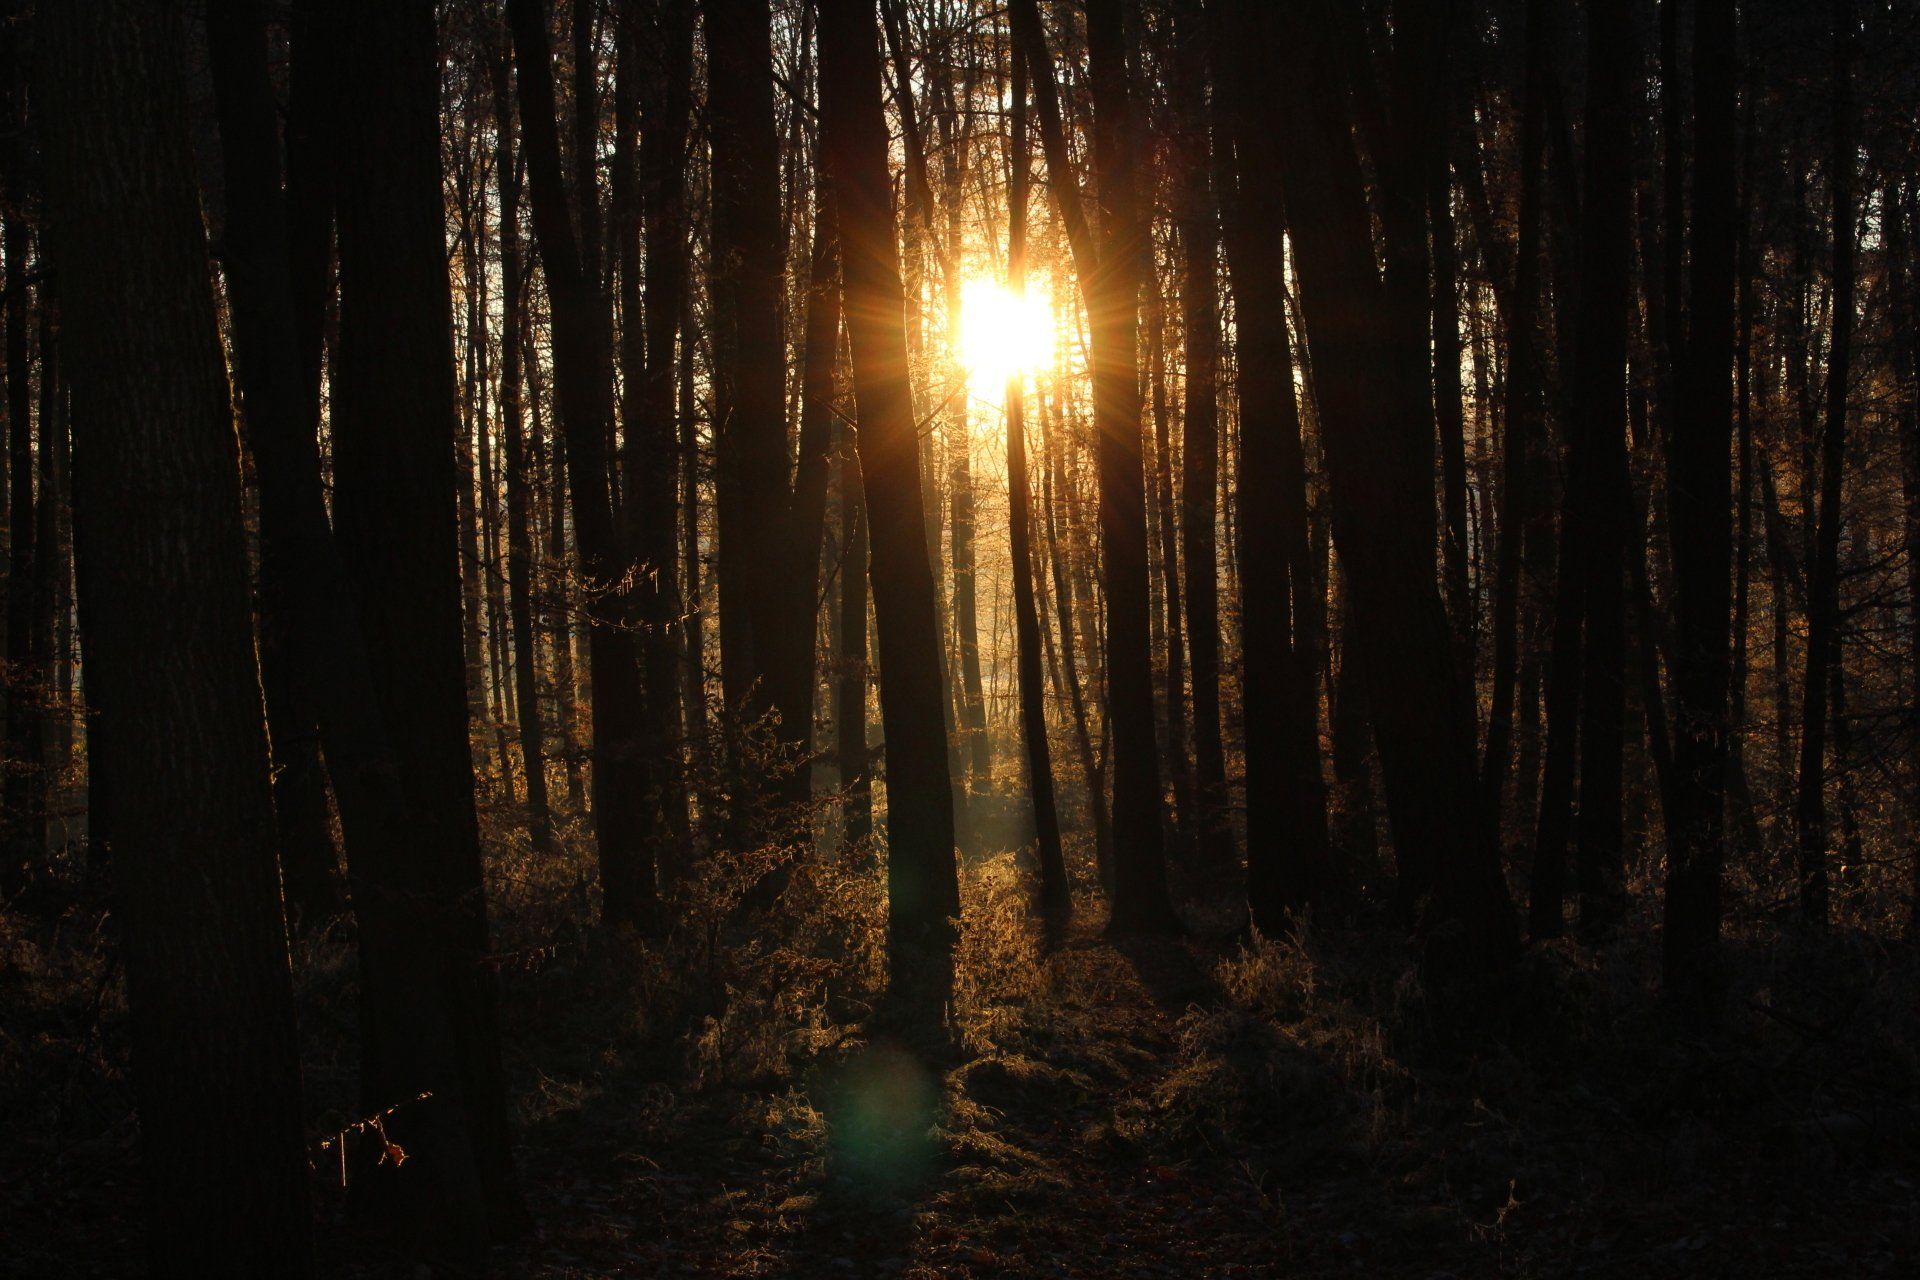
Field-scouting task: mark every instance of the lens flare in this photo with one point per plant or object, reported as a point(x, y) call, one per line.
point(1002, 335)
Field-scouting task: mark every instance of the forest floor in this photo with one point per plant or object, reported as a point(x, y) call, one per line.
point(1177, 1107)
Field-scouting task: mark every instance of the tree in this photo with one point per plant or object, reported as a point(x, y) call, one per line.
point(23, 829)
point(766, 625)
point(923, 892)
point(169, 651)
point(1699, 492)
point(583, 388)
point(1587, 678)
point(1055, 896)
point(1287, 842)
point(513, 280)
point(1373, 403)
point(653, 447)
point(1200, 437)
point(1108, 271)
point(430, 1022)
point(1823, 604)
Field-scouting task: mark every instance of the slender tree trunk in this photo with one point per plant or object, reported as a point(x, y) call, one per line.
point(1823, 641)
point(1091, 770)
point(653, 493)
point(1600, 399)
point(1448, 413)
point(1109, 278)
point(854, 757)
point(300, 574)
point(583, 384)
point(749, 378)
point(1698, 494)
point(526, 676)
point(1200, 447)
point(169, 650)
point(922, 880)
point(1523, 424)
point(23, 832)
point(1056, 903)
point(432, 1023)
point(1906, 354)
point(1374, 413)
point(1287, 841)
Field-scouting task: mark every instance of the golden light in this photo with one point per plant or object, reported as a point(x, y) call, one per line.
point(1002, 335)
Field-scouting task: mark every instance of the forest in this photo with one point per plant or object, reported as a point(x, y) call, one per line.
point(960, 638)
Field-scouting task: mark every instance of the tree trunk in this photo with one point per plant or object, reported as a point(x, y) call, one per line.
point(653, 494)
point(854, 758)
point(1287, 844)
point(1108, 269)
point(1698, 494)
point(301, 583)
point(513, 283)
point(1374, 412)
point(583, 385)
point(1906, 354)
point(1523, 424)
point(769, 673)
point(922, 881)
point(1200, 448)
point(1599, 398)
point(23, 821)
point(1056, 903)
point(1823, 605)
point(169, 650)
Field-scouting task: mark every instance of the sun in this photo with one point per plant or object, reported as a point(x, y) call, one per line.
point(1002, 335)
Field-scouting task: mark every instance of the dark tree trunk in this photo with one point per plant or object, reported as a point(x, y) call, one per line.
point(429, 1003)
point(1448, 414)
point(1091, 770)
point(298, 560)
point(23, 819)
point(922, 881)
point(583, 386)
point(1167, 615)
point(1523, 424)
point(1823, 603)
point(769, 670)
point(169, 651)
point(1108, 269)
point(1599, 400)
point(1200, 447)
point(513, 283)
point(854, 758)
point(1906, 353)
point(1698, 494)
point(655, 491)
point(1376, 429)
point(1056, 903)
point(1287, 842)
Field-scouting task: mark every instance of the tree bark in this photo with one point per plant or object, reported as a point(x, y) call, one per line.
point(1200, 445)
point(1823, 604)
point(1108, 270)
point(583, 386)
point(430, 1017)
point(1523, 423)
point(1056, 903)
point(169, 650)
point(1698, 493)
point(1288, 850)
point(923, 891)
point(1599, 397)
point(1379, 455)
point(513, 283)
